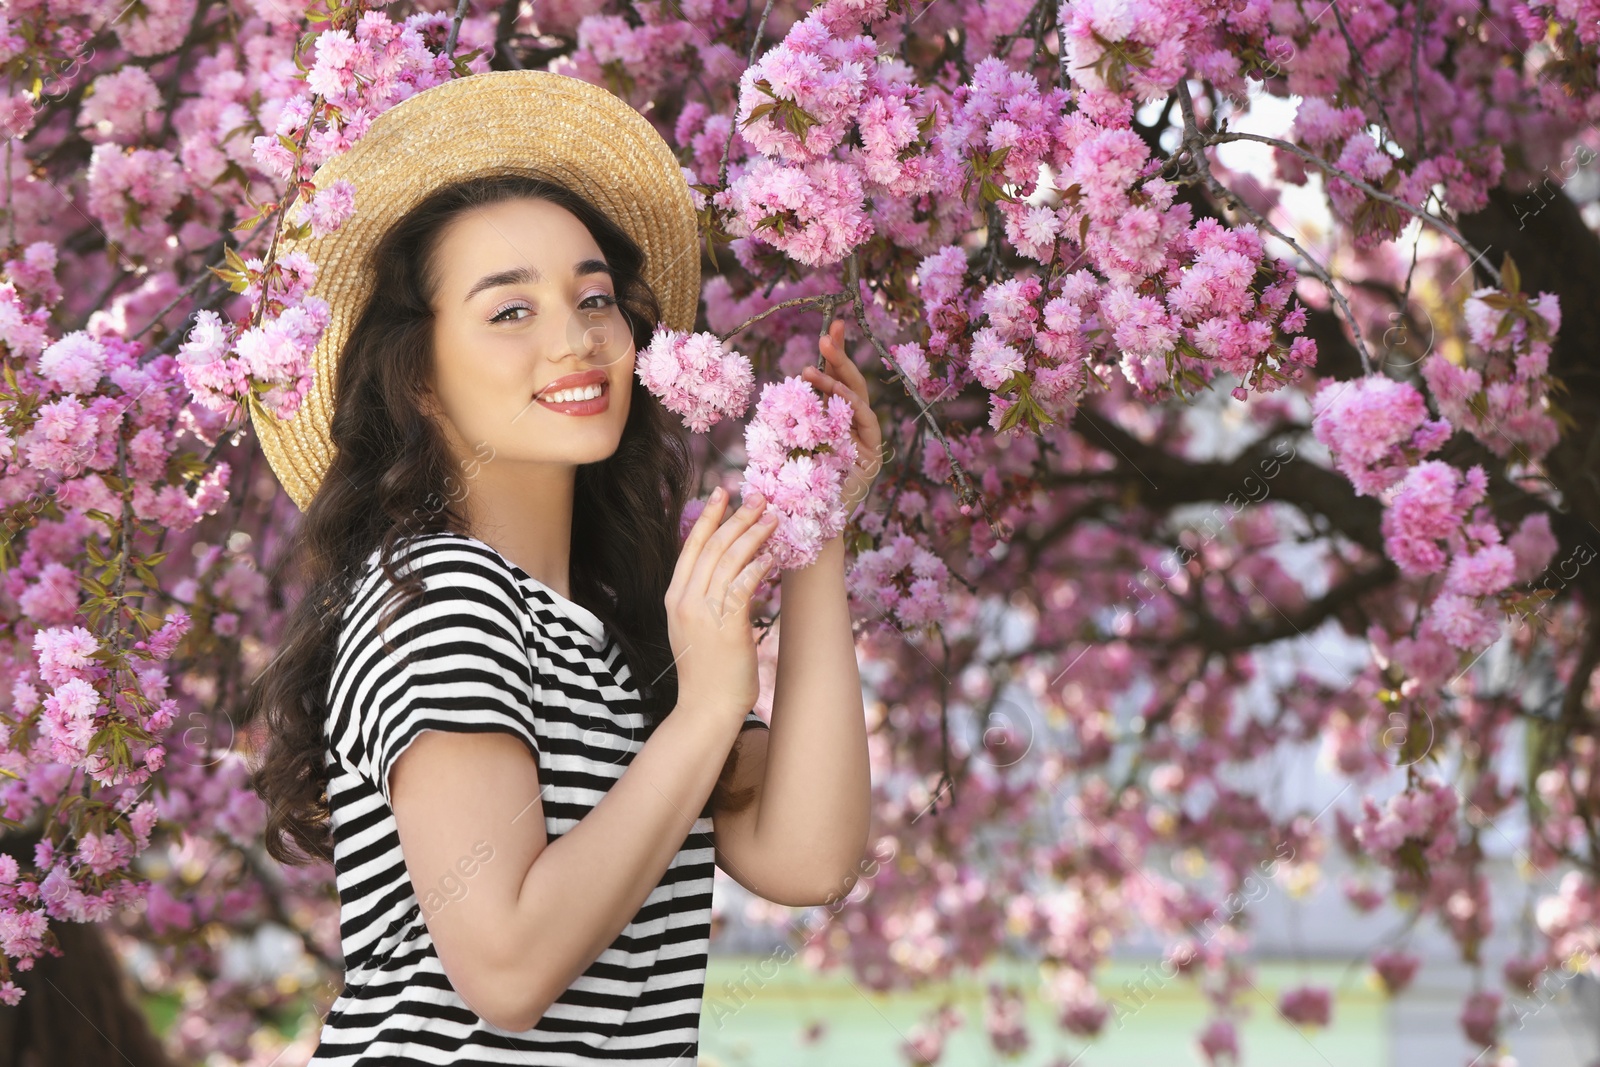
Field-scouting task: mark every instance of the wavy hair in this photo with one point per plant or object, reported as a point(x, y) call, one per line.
point(392, 477)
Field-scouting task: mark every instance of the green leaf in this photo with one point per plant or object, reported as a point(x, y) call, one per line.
point(1510, 276)
point(1012, 416)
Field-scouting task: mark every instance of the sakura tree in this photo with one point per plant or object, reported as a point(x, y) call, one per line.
point(1065, 293)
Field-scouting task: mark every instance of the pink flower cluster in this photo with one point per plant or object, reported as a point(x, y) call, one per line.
point(901, 578)
point(1134, 50)
point(1163, 296)
point(694, 376)
point(1480, 1018)
point(1570, 917)
point(1423, 815)
point(328, 209)
point(813, 212)
point(354, 78)
point(1005, 1019)
point(220, 361)
point(1431, 507)
point(1376, 428)
point(925, 1042)
point(805, 191)
point(1395, 968)
point(800, 449)
point(1307, 1005)
point(1339, 135)
point(1102, 35)
point(646, 56)
point(1219, 1042)
point(1499, 395)
point(74, 437)
point(809, 71)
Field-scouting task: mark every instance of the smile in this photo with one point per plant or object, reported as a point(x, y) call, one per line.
point(584, 400)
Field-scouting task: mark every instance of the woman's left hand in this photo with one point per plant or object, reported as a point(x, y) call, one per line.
point(845, 379)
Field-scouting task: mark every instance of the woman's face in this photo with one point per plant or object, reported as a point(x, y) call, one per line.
point(523, 300)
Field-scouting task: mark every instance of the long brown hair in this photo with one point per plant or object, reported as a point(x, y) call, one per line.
point(392, 476)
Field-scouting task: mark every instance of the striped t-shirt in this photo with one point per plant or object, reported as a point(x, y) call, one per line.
point(495, 649)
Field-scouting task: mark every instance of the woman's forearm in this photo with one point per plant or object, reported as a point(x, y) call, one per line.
point(587, 885)
point(815, 798)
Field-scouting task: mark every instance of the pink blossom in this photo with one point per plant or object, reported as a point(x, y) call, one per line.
point(695, 376)
point(993, 362)
point(1395, 968)
point(1375, 427)
point(813, 213)
point(121, 105)
point(68, 720)
point(330, 208)
point(64, 654)
point(1462, 622)
point(1480, 1018)
point(1482, 573)
point(1307, 1005)
point(805, 489)
point(814, 72)
point(75, 363)
point(21, 932)
point(1427, 508)
point(1219, 1041)
point(1534, 546)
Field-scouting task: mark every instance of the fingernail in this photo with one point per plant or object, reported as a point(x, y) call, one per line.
point(716, 494)
point(769, 517)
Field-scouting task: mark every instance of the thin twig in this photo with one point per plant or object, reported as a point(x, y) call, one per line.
point(1061, 51)
point(1416, 81)
point(455, 27)
point(1195, 142)
point(1355, 54)
point(733, 123)
point(1376, 193)
point(829, 302)
point(825, 298)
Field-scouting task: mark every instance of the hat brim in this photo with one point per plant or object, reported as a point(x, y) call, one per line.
point(548, 125)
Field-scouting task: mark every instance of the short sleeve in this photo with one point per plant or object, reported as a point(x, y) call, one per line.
point(752, 720)
point(457, 658)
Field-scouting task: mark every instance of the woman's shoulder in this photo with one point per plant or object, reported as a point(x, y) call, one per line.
point(452, 567)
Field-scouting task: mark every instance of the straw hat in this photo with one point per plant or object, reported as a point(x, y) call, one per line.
point(549, 125)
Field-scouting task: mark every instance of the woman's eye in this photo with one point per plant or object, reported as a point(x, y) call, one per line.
point(606, 299)
point(499, 315)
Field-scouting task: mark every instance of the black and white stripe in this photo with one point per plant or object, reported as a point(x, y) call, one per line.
point(492, 648)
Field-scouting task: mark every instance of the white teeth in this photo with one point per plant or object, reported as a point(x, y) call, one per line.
point(570, 395)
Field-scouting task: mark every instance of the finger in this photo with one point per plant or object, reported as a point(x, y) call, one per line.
point(828, 383)
point(740, 553)
point(838, 360)
point(831, 344)
point(742, 590)
point(703, 526)
point(699, 578)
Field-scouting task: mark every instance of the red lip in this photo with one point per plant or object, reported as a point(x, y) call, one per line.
point(573, 381)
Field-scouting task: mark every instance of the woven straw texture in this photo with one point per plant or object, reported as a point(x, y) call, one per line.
point(549, 125)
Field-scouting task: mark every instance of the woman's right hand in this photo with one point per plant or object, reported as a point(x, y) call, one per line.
point(708, 607)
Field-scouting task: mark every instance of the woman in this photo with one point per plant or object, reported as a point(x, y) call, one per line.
point(510, 688)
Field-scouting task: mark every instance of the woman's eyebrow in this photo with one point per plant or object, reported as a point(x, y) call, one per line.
point(525, 275)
